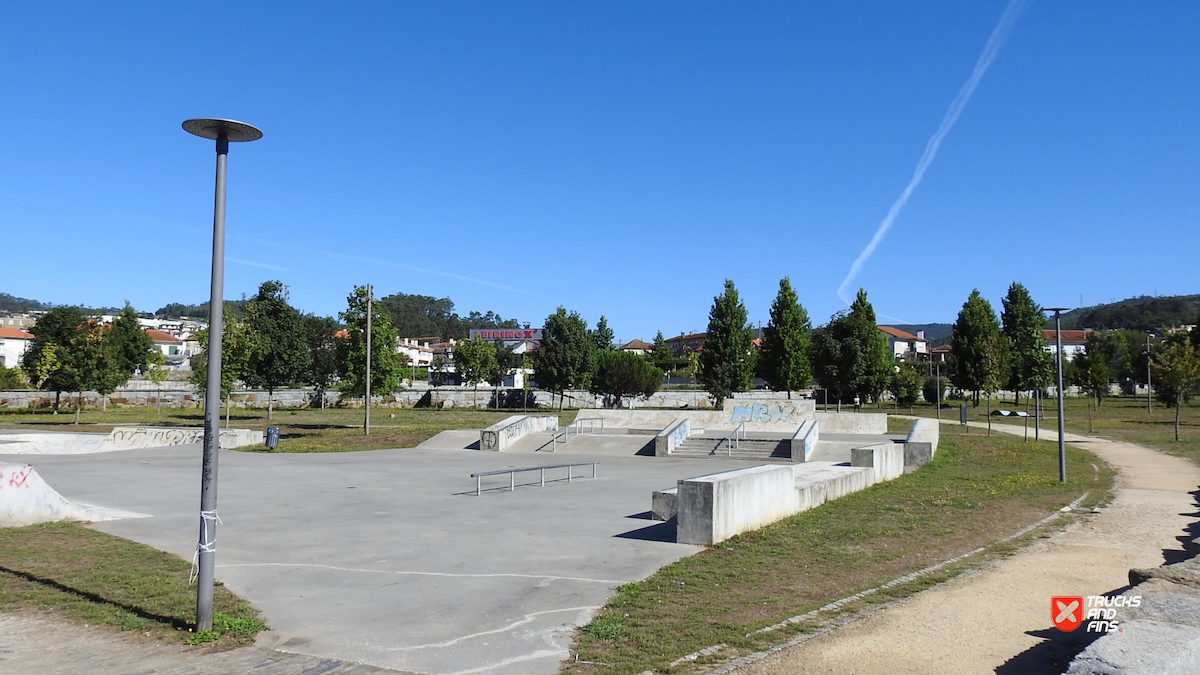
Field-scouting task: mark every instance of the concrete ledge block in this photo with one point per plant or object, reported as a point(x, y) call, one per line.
point(664, 504)
point(804, 441)
point(921, 444)
point(511, 429)
point(886, 460)
point(714, 508)
point(669, 438)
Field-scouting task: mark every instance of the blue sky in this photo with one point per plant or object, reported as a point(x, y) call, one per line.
point(616, 158)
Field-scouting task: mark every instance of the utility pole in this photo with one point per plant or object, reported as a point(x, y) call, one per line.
point(1062, 448)
point(367, 398)
point(938, 381)
point(1149, 405)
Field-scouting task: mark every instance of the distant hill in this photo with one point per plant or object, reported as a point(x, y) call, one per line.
point(934, 332)
point(1143, 313)
point(11, 303)
point(178, 310)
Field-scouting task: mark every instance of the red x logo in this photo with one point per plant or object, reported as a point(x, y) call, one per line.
point(1067, 612)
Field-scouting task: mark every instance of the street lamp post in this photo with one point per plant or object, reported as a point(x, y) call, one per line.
point(1062, 448)
point(367, 391)
point(221, 131)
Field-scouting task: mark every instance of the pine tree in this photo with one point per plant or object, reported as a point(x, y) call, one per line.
point(725, 360)
point(603, 335)
point(784, 361)
point(975, 352)
point(1029, 363)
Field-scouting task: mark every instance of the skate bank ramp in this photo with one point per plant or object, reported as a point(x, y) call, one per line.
point(26, 499)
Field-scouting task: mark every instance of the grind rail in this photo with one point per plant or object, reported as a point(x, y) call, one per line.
point(512, 482)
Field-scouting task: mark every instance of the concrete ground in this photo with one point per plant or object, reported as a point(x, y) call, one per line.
point(388, 558)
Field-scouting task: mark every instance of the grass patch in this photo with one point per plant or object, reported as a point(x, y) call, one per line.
point(975, 492)
point(301, 430)
point(77, 574)
point(1119, 418)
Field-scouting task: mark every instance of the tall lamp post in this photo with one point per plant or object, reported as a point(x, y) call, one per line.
point(1062, 447)
point(221, 131)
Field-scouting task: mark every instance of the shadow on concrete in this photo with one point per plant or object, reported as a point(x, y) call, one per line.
point(647, 449)
point(659, 532)
point(1171, 556)
point(644, 515)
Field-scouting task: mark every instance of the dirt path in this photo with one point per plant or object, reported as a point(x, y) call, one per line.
point(996, 619)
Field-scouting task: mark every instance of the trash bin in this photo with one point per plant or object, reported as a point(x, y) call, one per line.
point(272, 438)
point(962, 413)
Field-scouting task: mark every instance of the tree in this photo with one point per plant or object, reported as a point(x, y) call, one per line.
point(322, 370)
point(474, 361)
point(506, 364)
point(1029, 363)
point(47, 361)
point(156, 372)
point(906, 385)
point(725, 361)
point(603, 335)
point(660, 355)
point(131, 345)
point(975, 352)
point(282, 355)
point(1177, 368)
point(622, 374)
point(784, 360)
point(566, 356)
point(850, 355)
point(11, 378)
point(929, 390)
point(352, 350)
point(239, 343)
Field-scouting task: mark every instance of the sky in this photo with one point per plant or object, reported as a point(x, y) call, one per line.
point(614, 158)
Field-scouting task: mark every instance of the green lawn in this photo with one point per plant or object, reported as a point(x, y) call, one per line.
point(68, 571)
point(976, 491)
point(302, 430)
point(1121, 418)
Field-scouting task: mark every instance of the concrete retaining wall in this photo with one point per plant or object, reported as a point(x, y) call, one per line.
point(886, 460)
point(675, 433)
point(820, 482)
point(717, 507)
point(921, 444)
point(852, 423)
point(120, 438)
point(504, 433)
point(804, 441)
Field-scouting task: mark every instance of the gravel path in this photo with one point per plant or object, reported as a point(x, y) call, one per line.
point(996, 619)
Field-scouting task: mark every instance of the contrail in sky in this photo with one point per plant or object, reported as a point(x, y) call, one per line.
point(990, 50)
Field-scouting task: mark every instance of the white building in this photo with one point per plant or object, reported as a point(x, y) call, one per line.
point(174, 352)
point(1074, 342)
point(905, 345)
point(14, 342)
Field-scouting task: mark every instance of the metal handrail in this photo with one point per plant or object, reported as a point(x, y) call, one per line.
point(512, 481)
point(731, 439)
point(578, 424)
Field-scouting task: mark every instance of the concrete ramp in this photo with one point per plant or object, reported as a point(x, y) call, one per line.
point(52, 444)
point(26, 499)
point(453, 439)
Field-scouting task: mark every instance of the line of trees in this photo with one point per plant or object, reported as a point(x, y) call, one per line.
point(72, 352)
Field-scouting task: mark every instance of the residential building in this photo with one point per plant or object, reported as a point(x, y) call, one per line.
point(175, 354)
point(686, 343)
point(14, 342)
point(1073, 342)
point(636, 347)
point(904, 345)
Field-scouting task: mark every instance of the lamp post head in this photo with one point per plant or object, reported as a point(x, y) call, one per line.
point(216, 129)
point(1056, 310)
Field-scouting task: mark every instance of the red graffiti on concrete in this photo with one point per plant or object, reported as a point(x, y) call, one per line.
point(18, 479)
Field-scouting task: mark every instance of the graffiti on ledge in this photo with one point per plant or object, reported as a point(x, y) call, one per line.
point(763, 413)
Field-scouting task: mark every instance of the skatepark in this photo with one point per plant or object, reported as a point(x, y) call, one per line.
point(390, 558)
